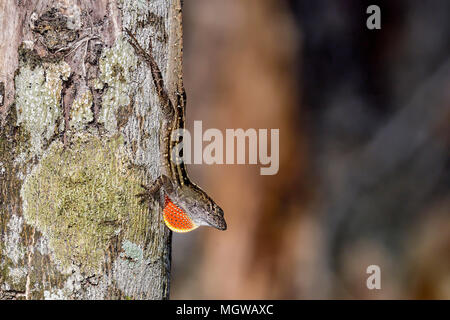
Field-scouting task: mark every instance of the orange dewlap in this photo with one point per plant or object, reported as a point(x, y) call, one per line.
point(175, 218)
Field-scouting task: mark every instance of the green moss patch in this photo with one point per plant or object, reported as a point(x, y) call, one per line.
point(83, 196)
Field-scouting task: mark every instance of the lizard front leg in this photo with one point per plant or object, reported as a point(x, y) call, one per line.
point(152, 191)
point(174, 217)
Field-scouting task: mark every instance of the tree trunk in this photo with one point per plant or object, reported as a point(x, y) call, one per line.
point(79, 135)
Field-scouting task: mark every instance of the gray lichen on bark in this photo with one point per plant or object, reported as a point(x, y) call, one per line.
point(79, 134)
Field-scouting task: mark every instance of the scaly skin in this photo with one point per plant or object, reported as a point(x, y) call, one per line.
point(186, 205)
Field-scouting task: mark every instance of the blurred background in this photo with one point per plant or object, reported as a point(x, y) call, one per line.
point(364, 119)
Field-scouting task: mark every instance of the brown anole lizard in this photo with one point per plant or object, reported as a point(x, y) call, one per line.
point(186, 205)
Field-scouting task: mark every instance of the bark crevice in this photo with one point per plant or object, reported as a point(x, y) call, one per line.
point(79, 134)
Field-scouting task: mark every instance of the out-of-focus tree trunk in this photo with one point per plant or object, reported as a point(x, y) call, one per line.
point(78, 136)
point(239, 75)
point(380, 106)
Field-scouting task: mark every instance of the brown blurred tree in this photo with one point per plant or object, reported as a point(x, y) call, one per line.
point(239, 75)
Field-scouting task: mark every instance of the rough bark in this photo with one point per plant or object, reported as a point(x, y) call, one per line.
point(79, 134)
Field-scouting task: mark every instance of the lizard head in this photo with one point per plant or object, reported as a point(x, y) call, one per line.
point(191, 208)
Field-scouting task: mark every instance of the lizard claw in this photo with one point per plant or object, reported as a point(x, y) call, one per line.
point(152, 192)
point(147, 195)
point(143, 197)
